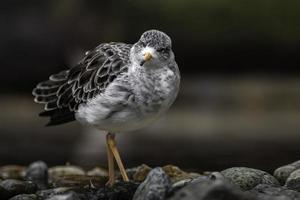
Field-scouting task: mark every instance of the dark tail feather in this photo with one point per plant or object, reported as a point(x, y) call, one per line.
point(58, 116)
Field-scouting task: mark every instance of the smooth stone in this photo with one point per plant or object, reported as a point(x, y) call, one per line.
point(180, 184)
point(25, 197)
point(268, 192)
point(293, 181)
point(68, 196)
point(141, 173)
point(12, 172)
point(155, 187)
point(37, 172)
point(59, 171)
point(97, 171)
point(204, 188)
point(15, 187)
point(282, 173)
point(194, 177)
point(176, 174)
point(43, 194)
point(137, 174)
point(248, 178)
point(79, 181)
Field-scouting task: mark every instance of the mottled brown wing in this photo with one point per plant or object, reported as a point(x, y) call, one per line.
point(65, 91)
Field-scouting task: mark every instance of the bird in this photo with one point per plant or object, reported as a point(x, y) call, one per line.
point(116, 87)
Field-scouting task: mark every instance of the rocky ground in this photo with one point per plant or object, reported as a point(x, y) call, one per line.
point(38, 182)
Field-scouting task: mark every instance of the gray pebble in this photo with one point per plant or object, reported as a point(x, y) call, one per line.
point(207, 189)
point(15, 187)
point(51, 192)
point(12, 172)
point(37, 172)
point(248, 178)
point(282, 173)
point(68, 196)
point(155, 186)
point(268, 192)
point(293, 181)
point(24, 197)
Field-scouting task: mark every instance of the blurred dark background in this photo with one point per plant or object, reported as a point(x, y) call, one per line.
point(239, 103)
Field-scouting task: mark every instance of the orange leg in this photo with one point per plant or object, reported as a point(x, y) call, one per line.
point(111, 167)
point(111, 142)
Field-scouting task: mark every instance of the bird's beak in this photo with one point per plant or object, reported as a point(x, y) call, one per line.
point(147, 56)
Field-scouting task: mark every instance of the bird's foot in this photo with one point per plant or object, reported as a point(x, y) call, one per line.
point(110, 183)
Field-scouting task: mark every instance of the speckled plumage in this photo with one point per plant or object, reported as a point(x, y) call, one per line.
point(113, 88)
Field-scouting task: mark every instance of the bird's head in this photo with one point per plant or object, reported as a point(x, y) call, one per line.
point(154, 49)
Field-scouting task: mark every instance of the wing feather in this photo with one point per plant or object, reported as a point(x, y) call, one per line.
point(64, 92)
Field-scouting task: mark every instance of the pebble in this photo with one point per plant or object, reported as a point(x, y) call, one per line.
point(268, 192)
point(12, 172)
point(293, 181)
point(15, 187)
point(59, 171)
point(206, 189)
point(43, 194)
point(155, 186)
point(68, 196)
point(137, 174)
point(79, 181)
point(176, 174)
point(97, 171)
point(282, 173)
point(248, 178)
point(25, 197)
point(37, 172)
point(141, 172)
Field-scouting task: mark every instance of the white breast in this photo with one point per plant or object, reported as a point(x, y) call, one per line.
point(115, 111)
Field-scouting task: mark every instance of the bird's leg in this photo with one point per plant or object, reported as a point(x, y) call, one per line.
point(111, 167)
point(112, 145)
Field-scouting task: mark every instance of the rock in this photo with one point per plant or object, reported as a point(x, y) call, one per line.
point(293, 181)
point(192, 177)
point(15, 187)
point(59, 171)
point(12, 172)
point(282, 173)
point(79, 181)
point(248, 178)
point(97, 171)
point(180, 184)
point(37, 172)
point(205, 189)
point(141, 173)
point(155, 187)
point(137, 174)
point(25, 197)
point(68, 196)
point(268, 192)
point(176, 174)
point(43, 194)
